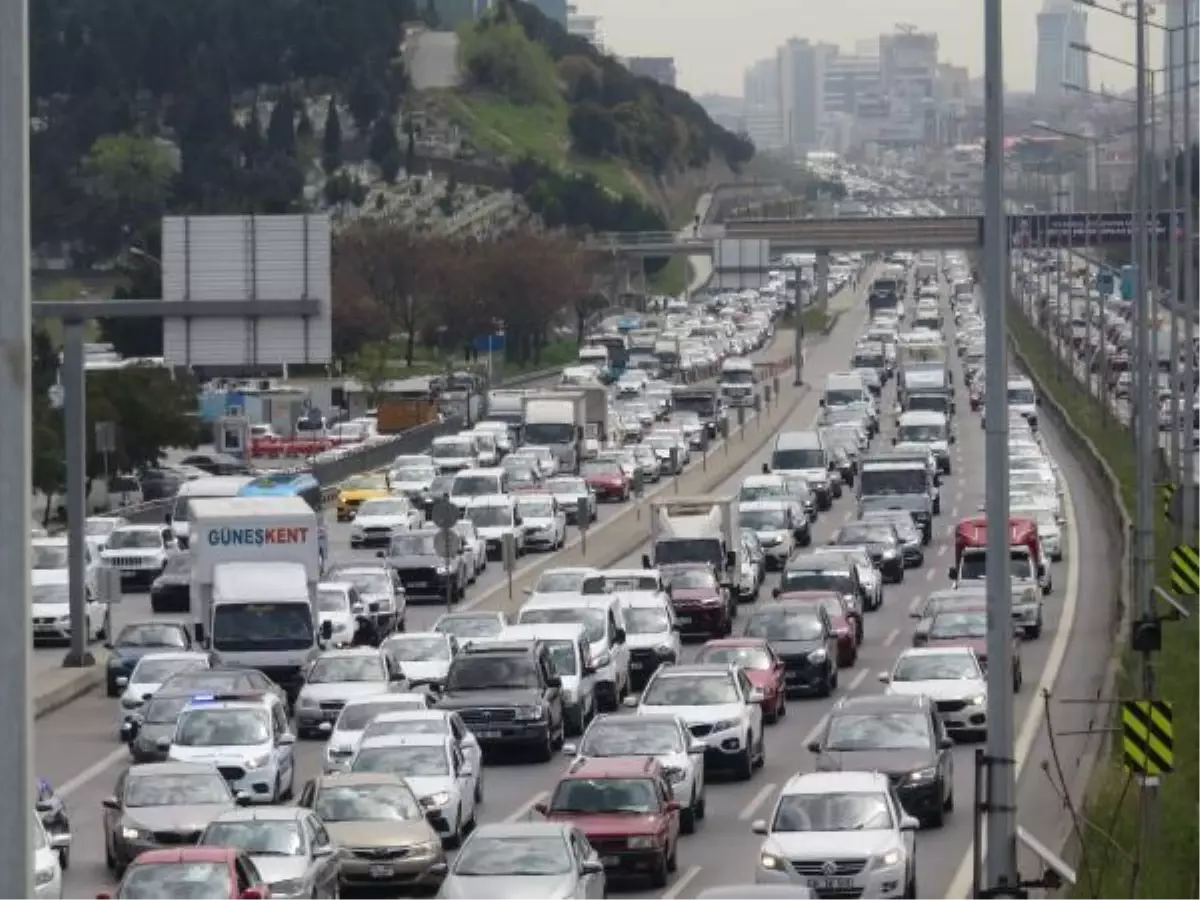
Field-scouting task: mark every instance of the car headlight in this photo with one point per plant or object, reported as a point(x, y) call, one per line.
point(442, 570)
point(889, 554)
point(306, 702)
point(641, 842)
point(435, 801)
point(43, 877)
point(888, 858)
point(257, 761)
point(130, 833)
point(530, 713)
point(773, 862)
point(664, 650)
point(927, 774)
point(288, 887)
point(675, 776)
point(724, 725)
point(603, 660)
point(356, 531)
point(977, 700)
point(817, 655)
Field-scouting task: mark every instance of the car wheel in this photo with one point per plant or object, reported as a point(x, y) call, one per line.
point(687, 817)
point(744, 768)
point(455, 840)
point(658, 875)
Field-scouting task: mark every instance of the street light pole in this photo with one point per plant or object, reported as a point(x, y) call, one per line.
point(16, 775)
point(1176, 308)
point(1001, 871)
point(1189, 259)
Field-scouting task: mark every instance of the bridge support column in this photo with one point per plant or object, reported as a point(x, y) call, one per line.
point(821, 277)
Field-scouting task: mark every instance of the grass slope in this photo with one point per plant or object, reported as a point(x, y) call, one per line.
point(1168, 866)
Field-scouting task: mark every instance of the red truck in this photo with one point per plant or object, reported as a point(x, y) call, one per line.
point(970, 552)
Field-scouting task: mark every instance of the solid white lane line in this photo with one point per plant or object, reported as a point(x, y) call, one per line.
point(681, 883)
point(960, 885)
point(858, 679)
point(763, 795)
point(521, 813)
point(75, 782)
point(891, 637)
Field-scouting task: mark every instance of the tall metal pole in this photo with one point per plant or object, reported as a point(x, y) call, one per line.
point(1001, 872)
point(75, 425)
point(16, 738)
point(1189, 257)
point(1153, 283)
point(1146, 423)
point(1175, 306)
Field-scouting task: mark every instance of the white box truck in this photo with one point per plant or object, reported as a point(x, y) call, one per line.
point(695, 530)
point(555, 419)
point(595, 413)
point(255, 568)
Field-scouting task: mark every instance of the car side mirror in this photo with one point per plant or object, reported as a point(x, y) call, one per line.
point(252, 894)
point(541, 809)
point(285, 740)
point(646, 561)
point(326, 630)
point(952, 573)
point(909, 823)
point(885, 678)
point(759, 826)
point(243, 798)
point(111, 803)
point(631, 702)
point(43, 806)
point(591, 867)
point(946, 743)
point(323, 850)
point(672, 806)
point(381, 554)
point(163, 744)
point(821, 402)
point(554, 681)
point(814, 746)
point(122, 681)
point(570, 750)
point(756, 695)
point(619, 636)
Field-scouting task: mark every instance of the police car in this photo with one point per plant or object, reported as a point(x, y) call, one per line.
point(247, 738)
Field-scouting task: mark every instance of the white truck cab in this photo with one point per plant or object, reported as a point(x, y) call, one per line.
point(736, 381)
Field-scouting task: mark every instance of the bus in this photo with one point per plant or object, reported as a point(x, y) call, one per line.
point(294, 484)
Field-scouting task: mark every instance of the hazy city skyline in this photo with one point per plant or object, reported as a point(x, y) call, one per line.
point(713, 41)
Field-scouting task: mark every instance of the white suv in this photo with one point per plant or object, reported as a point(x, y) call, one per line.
point(721, 707)
point(839, 834)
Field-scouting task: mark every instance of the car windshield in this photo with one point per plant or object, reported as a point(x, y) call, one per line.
point(921, 433)
point(383, 508)
point(366, 581)
point(223, 728)
point(903, 523)
point(417, 649)
point(258, 837)
point(391, 727)
point(99, 527)
point(535, 509)
point(893, 482)
point(451, 450)
point(337, 669)
point(164, 710)
point(414, 544)
point(470, 626)
point(192, 789)
point(631, 737)
point(559, 583)
point(746, 657)
point(842, 397)
point(602, 469)
point(832, 812)
point(965, 624)
point(414, 474)
point(1021, 397)
point(51, 593)
point(605, 795)
point(475, 486)
point(647, 620)
point(484, 671)
point(594, 621)
point(864, 533)
point(357, 716)
point(150, 635)
point(365, 483)
point(193, 880)
point(406, 762)
point(837, 580)
point(936, 667)
point(332, 600)
point(366, 803)
point(752, 492)
point(135, 539)
point(49, 556)
point(812, 458)
point(491, 516)
point(691, 580)
point(514, 856)
point(849, 731)
point(562, 654)
point(784, 625)
point(156, 671)
point(763, 519)
point(693, 690)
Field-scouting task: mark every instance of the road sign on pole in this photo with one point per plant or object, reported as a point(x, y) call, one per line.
point(1185, 571)
point(583, 518)
point(444, 513)
point(1148, 737)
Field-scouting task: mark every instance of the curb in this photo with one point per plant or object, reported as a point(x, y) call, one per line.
point(83, 681)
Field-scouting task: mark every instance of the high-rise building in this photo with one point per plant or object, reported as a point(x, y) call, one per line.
point(1060, 24)
point(555, 10)
point(584, 26)
point(849, 80)
point(801, 91)
point(1173, 46)
point(760, 83)
point(660, 68)
point(908, 65)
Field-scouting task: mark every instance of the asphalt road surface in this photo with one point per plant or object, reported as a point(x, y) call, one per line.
point(78, 751)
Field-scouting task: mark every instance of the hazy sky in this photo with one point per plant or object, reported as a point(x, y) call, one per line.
point(714, 40)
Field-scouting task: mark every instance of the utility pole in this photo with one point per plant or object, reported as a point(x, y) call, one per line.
point(1145, 423)
point(1189, 260)
point(1002, 879)
point(1176, 307)
point(16, 774)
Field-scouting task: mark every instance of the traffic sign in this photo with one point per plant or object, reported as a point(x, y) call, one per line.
point(444, 513)
point(1185, 571)
point(583, 513)
point(1078, 228)
point(1147, 737)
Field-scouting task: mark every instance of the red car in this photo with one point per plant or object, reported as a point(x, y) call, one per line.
point(624, 806)
point(959, 627)
point(701, 605)
point(846, 624)
point(764, 669)
point(205, 871)
point(607, 479)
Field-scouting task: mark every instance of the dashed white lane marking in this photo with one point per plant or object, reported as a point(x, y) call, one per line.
point(858, 680)
point(816, 730)
point(958, 495)
point(954, 513)
point(522, 812)
point(941, 550)
point(75, 782)
point(891, 637)
point(929, 575)
point(681, 883)
point(915, 605)
point(764, 793)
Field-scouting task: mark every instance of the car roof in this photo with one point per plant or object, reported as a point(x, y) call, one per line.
point(191, 853)
point(693, 670)
point(760, 643)
point(828, 782)
point(937, 651)
point(171, 767)
point(765, 505)
point(522, 829)
point(882, 703)
point(262, 814)
point(543, 631)
point(405, 740)
point(613, 767)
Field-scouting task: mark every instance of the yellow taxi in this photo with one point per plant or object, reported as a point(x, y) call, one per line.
point(354, 490)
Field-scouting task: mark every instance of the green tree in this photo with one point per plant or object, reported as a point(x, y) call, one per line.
point(304, 126)
point(281, 129)
point(125, 181)
point(372, 367)
point(49, 465)
point(384, 148)
point(331, 139)
point(153, 408)
point(410, 151)
point(366, 98)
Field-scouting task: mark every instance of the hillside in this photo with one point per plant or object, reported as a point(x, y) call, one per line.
point(591, 142)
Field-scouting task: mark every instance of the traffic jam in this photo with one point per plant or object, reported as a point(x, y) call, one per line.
point(298, 723)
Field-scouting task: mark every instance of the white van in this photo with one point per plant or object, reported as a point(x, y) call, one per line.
point(736, 381)
point(453, 452)
point(845, 389)
point(216, 487)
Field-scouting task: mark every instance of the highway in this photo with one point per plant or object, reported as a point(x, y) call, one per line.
point(78, 752)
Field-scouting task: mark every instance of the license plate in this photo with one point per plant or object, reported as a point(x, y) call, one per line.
point(130, 571)
point(381, 871)
point(418, 584)
point(489, 735)
point(830, 884)
point(636, 665)
point(685, 620)
point(610, 862)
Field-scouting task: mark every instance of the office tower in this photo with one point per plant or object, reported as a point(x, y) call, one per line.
point(1060, 24)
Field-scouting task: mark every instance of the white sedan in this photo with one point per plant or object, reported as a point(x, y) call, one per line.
point(475, 546)
point(149, 674)
point(52, 608)
point(543, 520)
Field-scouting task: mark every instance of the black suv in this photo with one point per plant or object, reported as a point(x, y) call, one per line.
point(899, 735)
point(509, 694)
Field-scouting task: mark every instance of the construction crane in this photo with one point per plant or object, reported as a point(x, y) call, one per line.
point(905, 28)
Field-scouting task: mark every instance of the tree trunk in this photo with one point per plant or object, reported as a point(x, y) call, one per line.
point(410, 348)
